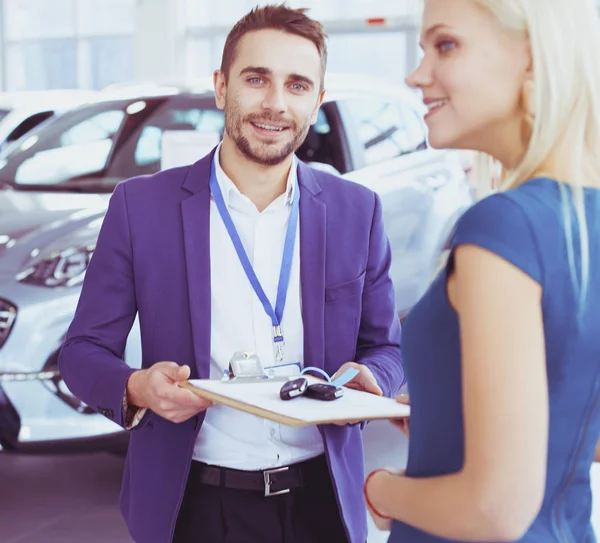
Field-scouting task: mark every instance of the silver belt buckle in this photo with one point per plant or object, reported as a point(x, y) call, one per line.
point(267, 476)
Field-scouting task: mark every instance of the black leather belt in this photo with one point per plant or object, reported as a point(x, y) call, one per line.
point(271, 482)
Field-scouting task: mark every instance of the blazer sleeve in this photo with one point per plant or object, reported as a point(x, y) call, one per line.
point(91, 359)
point(380, 332)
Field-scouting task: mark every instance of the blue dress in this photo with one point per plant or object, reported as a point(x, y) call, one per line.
point(525, 226)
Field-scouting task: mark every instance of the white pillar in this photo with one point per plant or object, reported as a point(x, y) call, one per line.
point(159, 36)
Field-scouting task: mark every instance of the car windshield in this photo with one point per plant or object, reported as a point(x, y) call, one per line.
point(93, 148)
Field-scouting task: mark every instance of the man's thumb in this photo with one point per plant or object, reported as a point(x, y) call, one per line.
point(177, 373)
point(369, 384)
point(183, 373)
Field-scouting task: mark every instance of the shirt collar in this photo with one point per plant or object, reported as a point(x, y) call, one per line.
point(228, 187)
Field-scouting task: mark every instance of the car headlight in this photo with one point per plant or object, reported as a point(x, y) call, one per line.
point(64, 269)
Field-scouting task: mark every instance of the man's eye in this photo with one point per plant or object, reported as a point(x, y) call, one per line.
point(299, 87)
point(255, 80)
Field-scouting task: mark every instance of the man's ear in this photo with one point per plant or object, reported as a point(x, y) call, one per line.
point(319, 104)
point(220, 85)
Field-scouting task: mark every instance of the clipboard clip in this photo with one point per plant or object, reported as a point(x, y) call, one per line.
point(246, 367)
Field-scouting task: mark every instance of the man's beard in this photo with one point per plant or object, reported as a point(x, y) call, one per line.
point(264, 154)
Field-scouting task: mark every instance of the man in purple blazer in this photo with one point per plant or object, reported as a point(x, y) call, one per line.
point(246, 250)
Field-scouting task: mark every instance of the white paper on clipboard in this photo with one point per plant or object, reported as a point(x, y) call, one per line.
point(262, 399)
point(184, 147)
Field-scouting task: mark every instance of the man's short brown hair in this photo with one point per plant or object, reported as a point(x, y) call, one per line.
point(275, 17)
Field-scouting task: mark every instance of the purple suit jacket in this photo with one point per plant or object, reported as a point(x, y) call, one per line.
point(153, 259)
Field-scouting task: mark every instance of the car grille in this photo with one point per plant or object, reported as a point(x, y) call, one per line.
point(42, 271)
point(8, 314)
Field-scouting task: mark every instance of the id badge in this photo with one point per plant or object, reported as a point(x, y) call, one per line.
point(246, 367)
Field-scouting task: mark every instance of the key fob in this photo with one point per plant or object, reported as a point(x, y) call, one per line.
point(324, 392)
point(293, 389)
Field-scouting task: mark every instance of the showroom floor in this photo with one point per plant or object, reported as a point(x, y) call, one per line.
point(73, 498)
point(61, 499)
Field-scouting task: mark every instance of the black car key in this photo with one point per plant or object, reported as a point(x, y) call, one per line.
point(324, 392)
point(293, 389)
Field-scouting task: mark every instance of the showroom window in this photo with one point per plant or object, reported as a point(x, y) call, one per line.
point(44, 64)
point(382, 55)
point(39, 19)
point(111, 60)
point(201, 13)
point(67, 43)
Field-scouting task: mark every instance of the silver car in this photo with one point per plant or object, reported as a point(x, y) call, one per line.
point(21, 112)
point(57, 182)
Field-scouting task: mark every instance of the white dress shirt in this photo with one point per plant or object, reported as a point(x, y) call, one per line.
point(229, 437)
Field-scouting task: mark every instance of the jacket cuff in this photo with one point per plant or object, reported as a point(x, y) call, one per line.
point(132, 415)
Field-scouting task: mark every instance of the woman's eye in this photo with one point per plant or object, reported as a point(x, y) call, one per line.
point(443, 46)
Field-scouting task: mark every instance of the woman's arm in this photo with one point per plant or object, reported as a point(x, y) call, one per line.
point(500, 490)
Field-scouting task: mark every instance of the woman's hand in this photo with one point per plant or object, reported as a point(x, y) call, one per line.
point(381, 523)
point(403, 424)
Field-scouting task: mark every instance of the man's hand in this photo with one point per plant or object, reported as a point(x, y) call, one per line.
point(157, 388)
point(364, 381)
point(403, 424)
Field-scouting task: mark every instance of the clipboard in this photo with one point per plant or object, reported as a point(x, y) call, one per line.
point(262, 400)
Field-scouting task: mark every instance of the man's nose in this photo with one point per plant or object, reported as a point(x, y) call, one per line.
point(275, 99)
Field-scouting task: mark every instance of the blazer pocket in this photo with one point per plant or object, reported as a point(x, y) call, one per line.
point(345, 290)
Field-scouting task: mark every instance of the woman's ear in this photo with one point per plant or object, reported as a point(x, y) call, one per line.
point(528, 99)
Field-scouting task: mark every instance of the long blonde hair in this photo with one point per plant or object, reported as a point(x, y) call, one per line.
point(564, 37)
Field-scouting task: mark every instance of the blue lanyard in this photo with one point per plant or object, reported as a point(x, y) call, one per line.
point(286, 262)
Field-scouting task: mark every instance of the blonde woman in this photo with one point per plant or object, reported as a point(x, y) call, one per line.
point(503, 352)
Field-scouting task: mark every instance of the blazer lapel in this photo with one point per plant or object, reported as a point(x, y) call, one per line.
point(313, 214)
point(196, 233)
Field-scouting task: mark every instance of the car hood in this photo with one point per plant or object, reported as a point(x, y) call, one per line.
point(31, 222)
